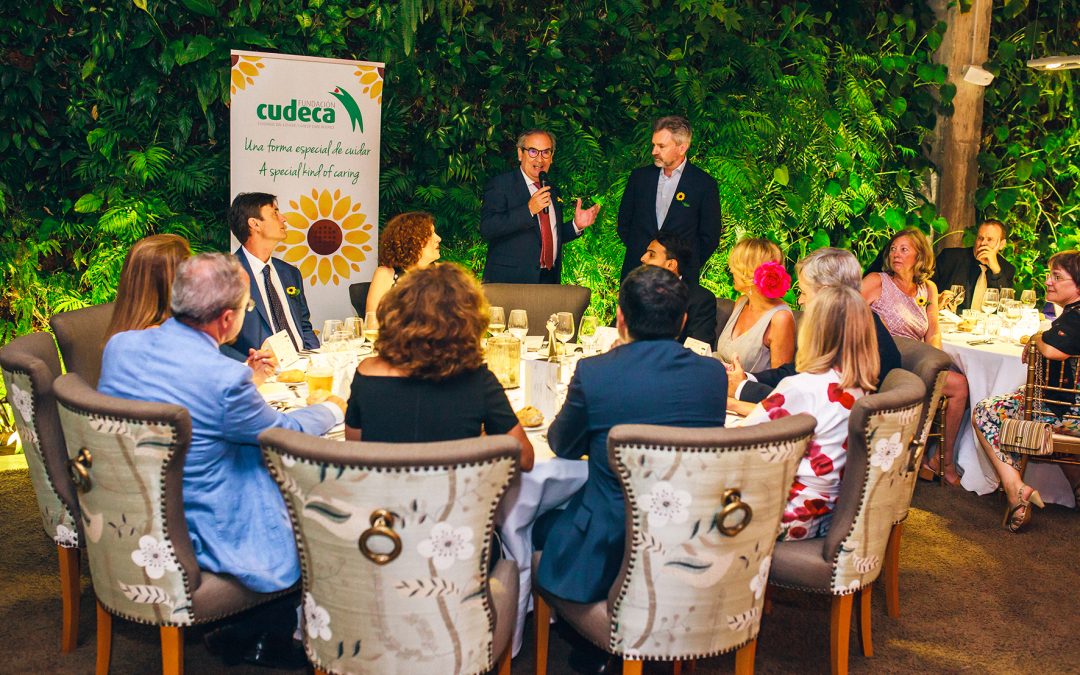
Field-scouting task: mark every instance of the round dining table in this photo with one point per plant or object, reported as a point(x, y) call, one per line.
point(994, 368)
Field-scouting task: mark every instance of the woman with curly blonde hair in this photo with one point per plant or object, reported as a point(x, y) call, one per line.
point(429, 381)
point(408, 242)
point(760, 333)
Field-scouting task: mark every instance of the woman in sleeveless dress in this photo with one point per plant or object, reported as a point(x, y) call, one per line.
point(408, 242)
point(760, 332)
point(907, 302)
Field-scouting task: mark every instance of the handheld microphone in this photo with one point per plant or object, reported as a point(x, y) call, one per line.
point(542, 176)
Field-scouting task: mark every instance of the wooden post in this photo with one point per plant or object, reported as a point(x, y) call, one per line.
point(956, 137)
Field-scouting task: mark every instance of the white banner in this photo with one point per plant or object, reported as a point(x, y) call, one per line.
point(307, 130)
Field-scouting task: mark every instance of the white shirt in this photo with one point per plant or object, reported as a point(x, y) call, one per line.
point(257, 274)
point(665, 192)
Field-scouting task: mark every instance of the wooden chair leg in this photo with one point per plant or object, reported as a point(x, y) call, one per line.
point(691, 666)
point(632, 667)
point(542, 617)
point(892, 571)
point(172, 650)
point(69, 595)
point(744, 658)
point(504, 660)
point(941, 441)
point(866, 636)
point(766, 607)
point(676, 667)
point(320, 672)
point(840, 633)
point(104, 640)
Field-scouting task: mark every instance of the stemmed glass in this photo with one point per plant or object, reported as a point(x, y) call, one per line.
point(1007, 294)
point(957, 291)
point(371, 328)
point(497, 321)
point(587, 332)
point(354, 329)
point(518, 325)
point(1027, 299)
point(990, 301)
point(564, 328)
point(330, 330)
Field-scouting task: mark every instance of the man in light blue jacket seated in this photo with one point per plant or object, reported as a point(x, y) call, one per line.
point(235, 514)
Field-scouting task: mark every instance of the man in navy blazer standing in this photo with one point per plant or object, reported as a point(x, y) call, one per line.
point(674, 196)
point(522, 221)
point(584, 544)
point(276, 286)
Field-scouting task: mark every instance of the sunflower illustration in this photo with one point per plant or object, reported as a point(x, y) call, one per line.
point(244, 71)
point(371, 78)
point(327, 237)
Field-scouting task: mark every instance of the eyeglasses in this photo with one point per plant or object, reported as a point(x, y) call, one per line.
point(1057, 277)
point(533, 152)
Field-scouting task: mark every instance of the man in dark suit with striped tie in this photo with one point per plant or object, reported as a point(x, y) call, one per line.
point(276, 286)
point(522, 218)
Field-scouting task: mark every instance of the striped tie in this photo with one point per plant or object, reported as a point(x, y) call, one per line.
point(277, 312)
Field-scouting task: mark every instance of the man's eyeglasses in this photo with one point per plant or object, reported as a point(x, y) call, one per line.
point(533, 152)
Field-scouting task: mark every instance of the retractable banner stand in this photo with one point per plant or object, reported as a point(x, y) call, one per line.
point(307, 130)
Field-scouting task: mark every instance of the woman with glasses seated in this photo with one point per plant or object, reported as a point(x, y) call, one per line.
point(1057, 344)
point(429, 381)
point(408, 242)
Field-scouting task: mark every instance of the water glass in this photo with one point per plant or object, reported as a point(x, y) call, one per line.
point(958, 292)
point(497, 321)
point(564, 327)
point(990, 301)
point(518, 325)
point(1007, 294)
point(587, 333)
point(330, 328)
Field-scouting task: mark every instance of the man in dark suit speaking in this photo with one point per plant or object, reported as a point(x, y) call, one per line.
point(522, 221)
point(674, 196)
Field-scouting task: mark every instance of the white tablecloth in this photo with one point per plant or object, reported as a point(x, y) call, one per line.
point(992, 370)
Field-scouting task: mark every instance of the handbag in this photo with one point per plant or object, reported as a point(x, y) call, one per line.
point(1027, 437)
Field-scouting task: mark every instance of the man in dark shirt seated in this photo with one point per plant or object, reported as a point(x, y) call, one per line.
point(823, 268)
point(672, 253)
point(976, 268)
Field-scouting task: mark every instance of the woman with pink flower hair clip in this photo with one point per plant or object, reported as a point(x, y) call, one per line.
point(761, 329)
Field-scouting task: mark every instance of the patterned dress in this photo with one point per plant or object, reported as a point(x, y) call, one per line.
point(989, 413)
point(902, 314)
point(817, 479)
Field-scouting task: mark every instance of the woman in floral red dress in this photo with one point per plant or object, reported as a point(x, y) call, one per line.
point(837, 364)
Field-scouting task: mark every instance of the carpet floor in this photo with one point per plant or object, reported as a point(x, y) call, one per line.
point(974, 598)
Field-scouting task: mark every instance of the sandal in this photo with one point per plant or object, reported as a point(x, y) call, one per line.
point(1014, 519)
point(929, 473)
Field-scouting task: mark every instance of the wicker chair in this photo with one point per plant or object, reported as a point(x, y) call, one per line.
point(874, 488)
point(81, 336)
point(540, 301)
point(126, 459)
point(931, 365)
point(394, 544)
point(699, 564)
point(30, 365)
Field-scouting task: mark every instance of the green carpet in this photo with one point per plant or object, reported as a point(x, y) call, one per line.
point(974, 598)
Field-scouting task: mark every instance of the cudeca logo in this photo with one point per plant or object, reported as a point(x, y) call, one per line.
point(318, 112)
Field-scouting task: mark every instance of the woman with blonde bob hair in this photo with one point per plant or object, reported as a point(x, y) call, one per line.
point(429, 381)
point(837, 364)
point(760, 333)
point(142, 299)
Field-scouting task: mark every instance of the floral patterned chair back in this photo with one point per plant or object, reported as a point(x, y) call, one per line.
point(30, 365)
point(122, 454)
point(875, 486)
point(931, 365)
point(394, 543)
point(703, 511)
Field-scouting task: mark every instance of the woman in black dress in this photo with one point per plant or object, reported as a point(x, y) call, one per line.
point(429, 381)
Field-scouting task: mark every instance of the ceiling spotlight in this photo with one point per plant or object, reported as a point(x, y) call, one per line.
point(1054, 63)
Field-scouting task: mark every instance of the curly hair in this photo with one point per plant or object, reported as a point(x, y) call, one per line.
point(431, 323)
point(403, 238)
point(924, 255)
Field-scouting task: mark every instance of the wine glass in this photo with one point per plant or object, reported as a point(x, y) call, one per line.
point(518, 325)
point(587, 332)
point(990, 301)
point(1012, 310)
point(564, 327)
point(1007, 294)
point(957, 296)
point(497, 321)
point(330, 330)
point(1027, 299)
point(371, 328)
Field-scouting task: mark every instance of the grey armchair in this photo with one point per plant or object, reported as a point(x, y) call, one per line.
point(81, 336)
point(540, 301)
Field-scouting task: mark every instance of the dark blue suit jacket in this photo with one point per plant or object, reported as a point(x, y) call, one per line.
point(513, 234)
point(652, 382)
point(695, 218)
point(257, 325)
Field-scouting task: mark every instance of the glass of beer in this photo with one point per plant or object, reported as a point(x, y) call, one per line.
point(319, 378)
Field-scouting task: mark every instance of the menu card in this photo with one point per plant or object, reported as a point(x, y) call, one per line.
point(282, 345)
point(698, 347)
point(542, 386)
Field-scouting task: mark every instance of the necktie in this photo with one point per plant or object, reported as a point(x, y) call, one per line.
point(547, 243)
point(980, 290)
point(277, 312)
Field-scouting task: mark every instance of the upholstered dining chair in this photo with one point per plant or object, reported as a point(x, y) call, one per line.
point(81, 336)
point(126, 459)
point(395, 542)
point(703, 508)
point(540, 301)
point(30, 365)
point(874, 488)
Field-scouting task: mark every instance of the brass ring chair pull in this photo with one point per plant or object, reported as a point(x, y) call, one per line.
point(79, 468)
point(382, 525)
point(733, 503)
